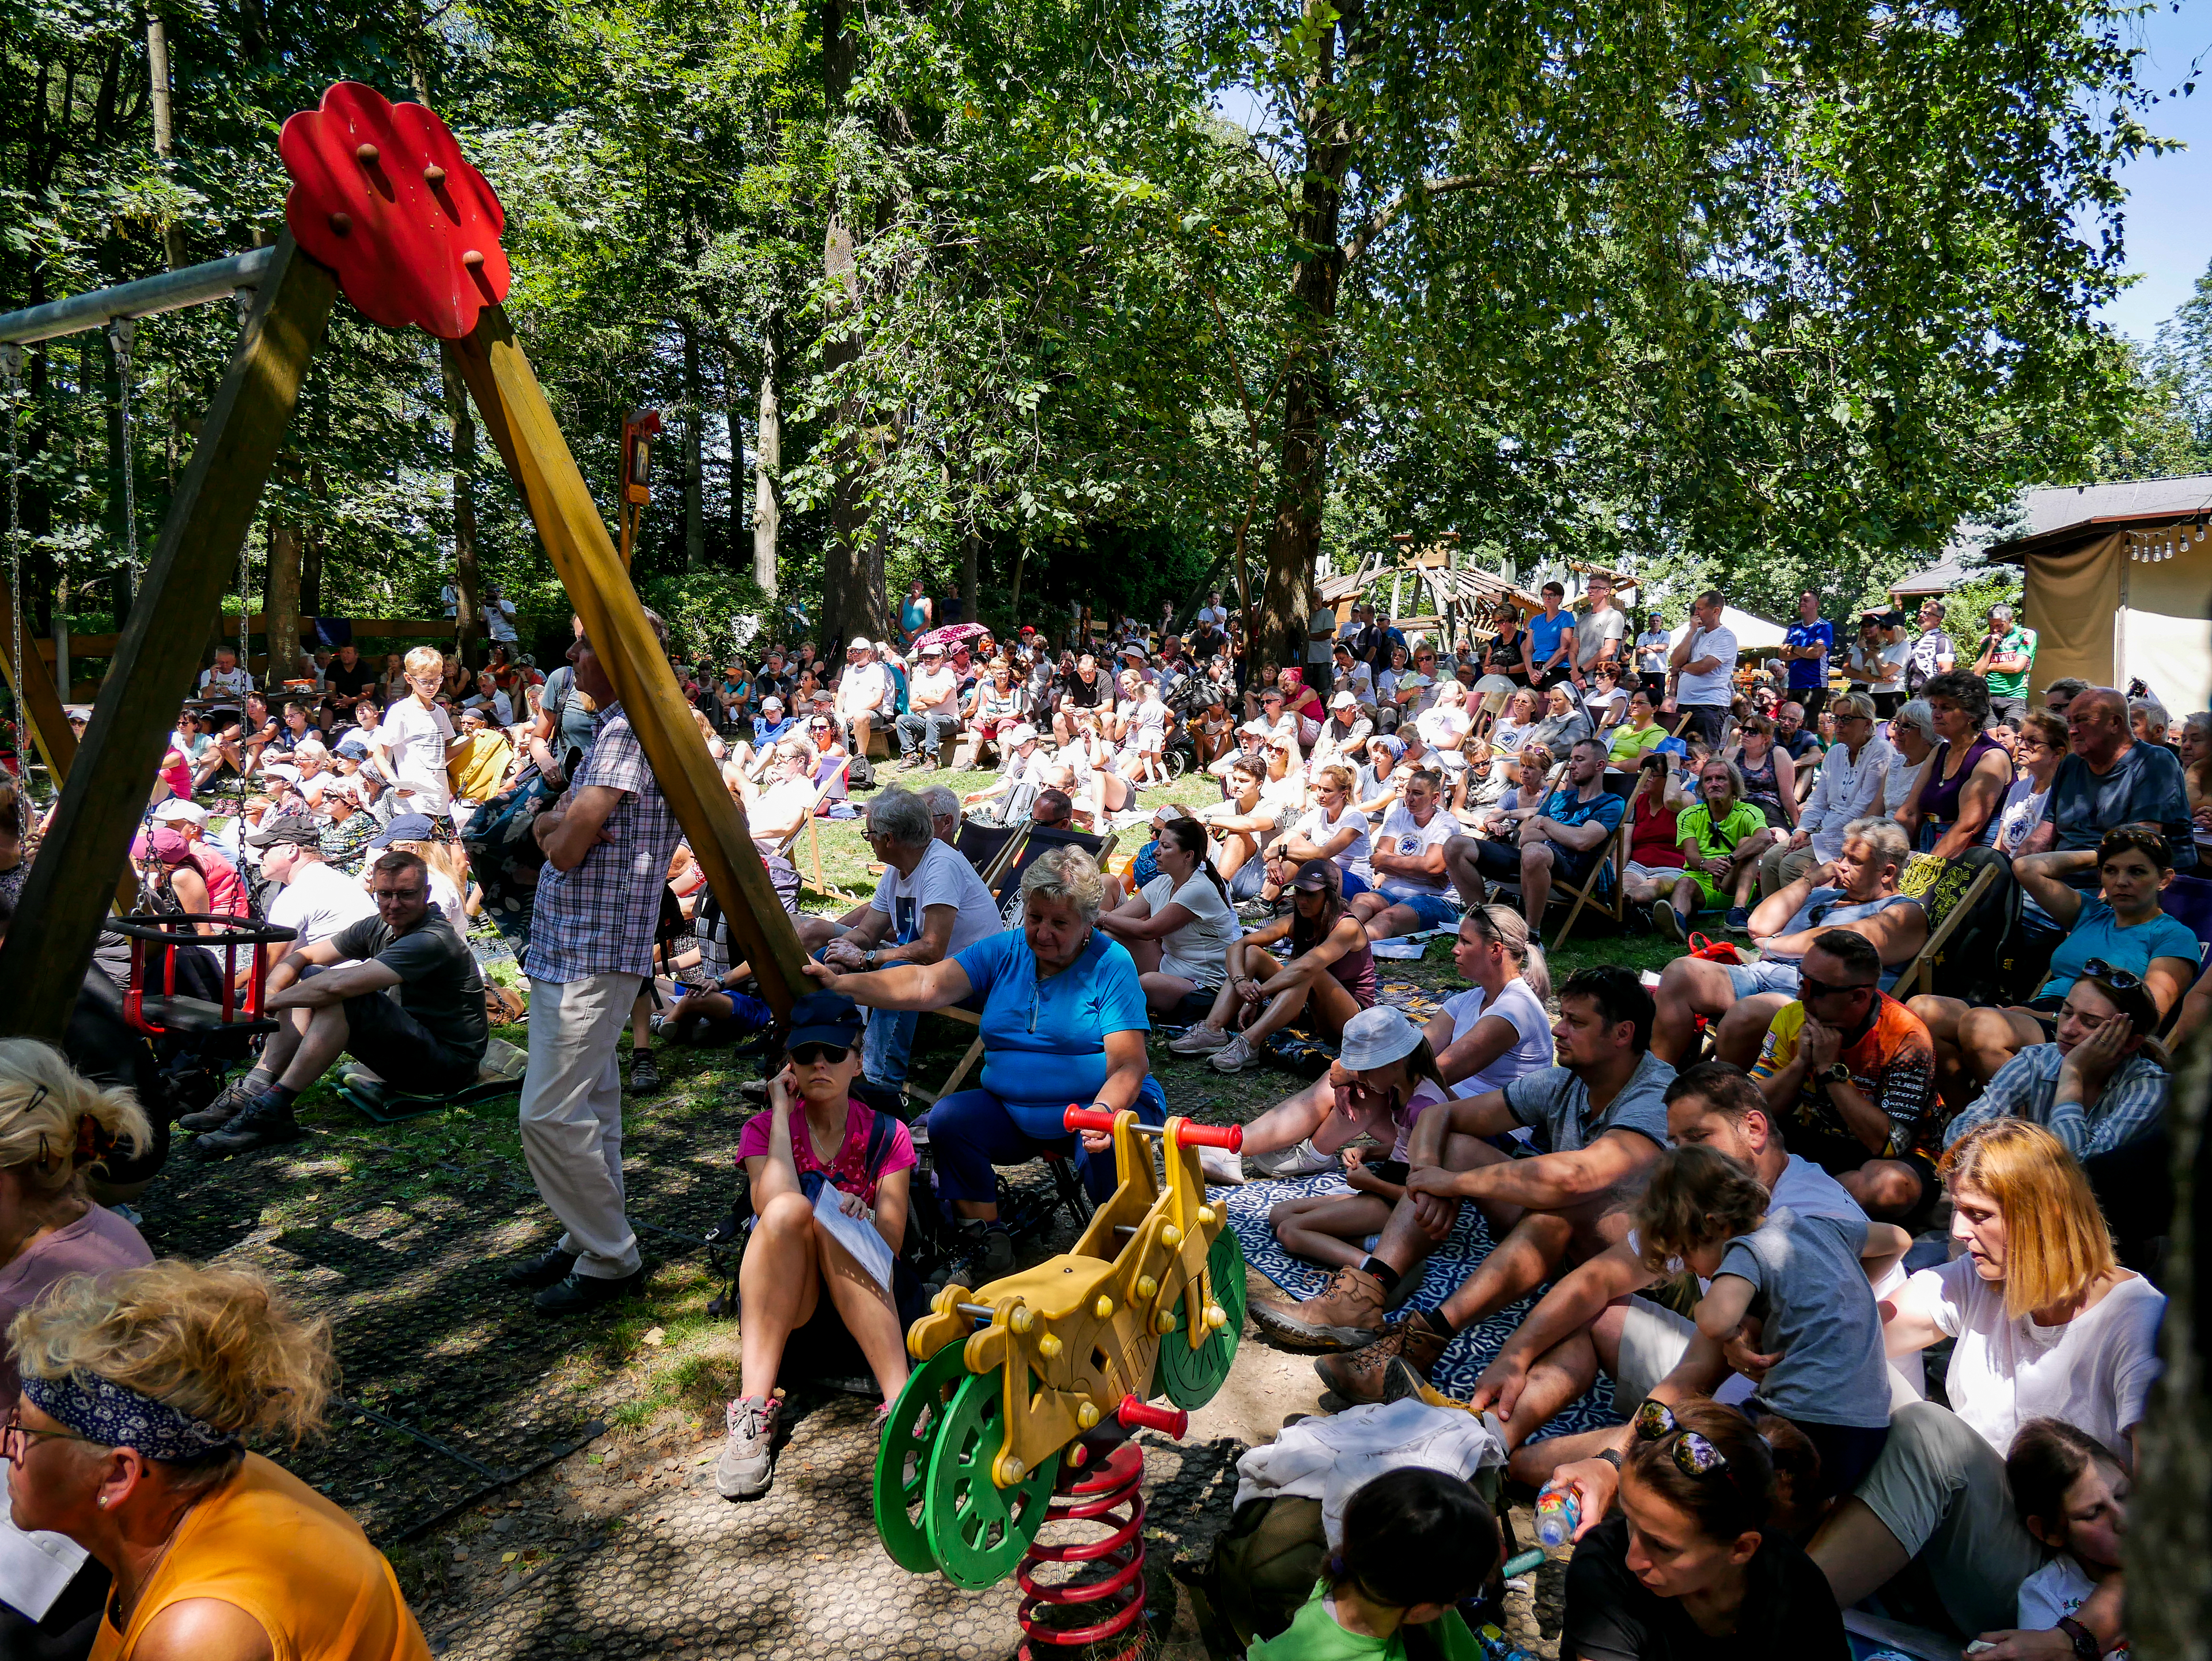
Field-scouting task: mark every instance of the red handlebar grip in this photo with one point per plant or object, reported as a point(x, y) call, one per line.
point(1088, 1118)
point(1231, 1137)
point(1140, 1416)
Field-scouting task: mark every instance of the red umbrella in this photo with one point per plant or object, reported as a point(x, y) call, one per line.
point(951, 635)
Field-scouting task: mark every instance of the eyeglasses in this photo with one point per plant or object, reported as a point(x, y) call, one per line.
point(1693, 1456)
point(2120, 980)
point(806, 1055)
point(15, 1439)
point(1808, 989)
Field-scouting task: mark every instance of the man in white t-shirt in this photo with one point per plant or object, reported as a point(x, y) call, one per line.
point(1601, 633)
point(411, 746)
point(864, 694)
point(929, 905)
point(498, 615)
point(1320, 633)
point(317, 901)
point(932, 698)
point(1213, 611)
point(227, 681)
point(1412, 890)
point(1703, 666)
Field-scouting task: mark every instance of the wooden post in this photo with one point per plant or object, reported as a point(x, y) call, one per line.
point(522, 427)
point(43, 714)
point(58, 917)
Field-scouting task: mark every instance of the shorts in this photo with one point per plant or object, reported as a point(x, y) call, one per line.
point(1749, 979)
point(402, 1051)
point(2006, 712)
point(1847, 1452)
point(1710, 898)
point(1640, 872)
point(1354, 884)
point(1433, 910)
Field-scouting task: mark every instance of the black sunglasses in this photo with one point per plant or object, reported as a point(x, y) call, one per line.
point(1808, 989)
point(2120, 980)
point(1693, 1456)
point(805, 1055)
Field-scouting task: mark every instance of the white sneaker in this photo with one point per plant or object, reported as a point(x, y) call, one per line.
point(1302, 1160)
point(1235, 1055)
point(1221, 1168)
point(1199, 1040)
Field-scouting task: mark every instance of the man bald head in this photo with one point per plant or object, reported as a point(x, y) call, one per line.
point(2097, 726)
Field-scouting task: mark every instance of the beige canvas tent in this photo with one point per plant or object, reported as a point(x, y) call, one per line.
point(2118, 595)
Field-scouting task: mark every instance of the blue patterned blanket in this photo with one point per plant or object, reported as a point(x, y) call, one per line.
point(1247, 1209)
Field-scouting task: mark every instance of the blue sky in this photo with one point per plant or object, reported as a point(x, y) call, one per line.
point(2168, 223)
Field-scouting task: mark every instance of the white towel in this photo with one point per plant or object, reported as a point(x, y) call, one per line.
point(1331, 1458)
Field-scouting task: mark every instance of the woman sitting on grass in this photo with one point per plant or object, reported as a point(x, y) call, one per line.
point(1178, 927)
point(1328, 969)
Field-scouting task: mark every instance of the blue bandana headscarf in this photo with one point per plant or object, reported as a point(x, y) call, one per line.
point(92, 1407)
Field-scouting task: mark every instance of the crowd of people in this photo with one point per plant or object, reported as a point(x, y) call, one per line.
point(1756, 1184)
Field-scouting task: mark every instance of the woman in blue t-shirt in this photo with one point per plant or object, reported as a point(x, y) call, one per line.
point(2126, 931)
point(1064, 1024)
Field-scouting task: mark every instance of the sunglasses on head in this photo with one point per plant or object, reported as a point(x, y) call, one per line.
point(2120, 980)
point(1693, 1456)
point(805, 1055)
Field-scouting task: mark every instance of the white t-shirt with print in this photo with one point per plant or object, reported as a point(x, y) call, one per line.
point(942, 878)
point(2056, 1589)
point(1400, 835)
point(417, 738)
point(1519, 1008)
point(1318, 828)
point(933, 694)
point(2094, 1372)
point(1199, 950)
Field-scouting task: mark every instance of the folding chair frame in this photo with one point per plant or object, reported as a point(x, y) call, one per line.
point(1586, 894)
point(1921, 969)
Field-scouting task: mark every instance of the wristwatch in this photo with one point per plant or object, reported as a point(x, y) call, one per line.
point(2086, 1647)
point(1835, 1073)
point(870, 958)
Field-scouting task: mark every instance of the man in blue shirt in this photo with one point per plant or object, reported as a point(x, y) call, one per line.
point(1568, 835)
point(2109, 780)
point(1551, 637)
point(1805, 647)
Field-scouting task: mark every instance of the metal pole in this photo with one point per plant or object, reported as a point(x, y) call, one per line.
point(170, 291)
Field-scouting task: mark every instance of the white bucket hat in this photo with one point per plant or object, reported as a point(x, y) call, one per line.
point(1376, 1038)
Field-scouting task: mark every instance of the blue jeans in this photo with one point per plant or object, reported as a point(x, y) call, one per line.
point(885, 1044)
point(1434, 911)
point(973, 1131)
point(923, 732)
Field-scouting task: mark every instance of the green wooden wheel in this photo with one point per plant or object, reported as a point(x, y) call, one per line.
point(917, 1420)
point(978, 1530)
point(1189, 1378)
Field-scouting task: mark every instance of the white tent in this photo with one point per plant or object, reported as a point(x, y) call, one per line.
point(1752, 634)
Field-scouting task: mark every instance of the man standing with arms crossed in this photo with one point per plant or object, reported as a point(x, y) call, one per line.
point(1704, 666)
point(1805, 647)
point(1601, 634)
point(607, 847)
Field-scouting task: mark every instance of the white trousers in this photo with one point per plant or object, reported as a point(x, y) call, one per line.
point(572, 1127)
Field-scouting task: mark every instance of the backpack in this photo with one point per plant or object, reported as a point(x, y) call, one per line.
point(1978, 961)
point(859, 774)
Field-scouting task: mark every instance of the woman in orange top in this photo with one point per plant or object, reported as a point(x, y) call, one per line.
point(137, 1386)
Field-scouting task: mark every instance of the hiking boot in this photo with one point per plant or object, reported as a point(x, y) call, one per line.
point(1199, 1040)
point(1235, 1055)
point(989, 1250)
point(1666, 921)
point(574, 1293)
point(1361, 1376)
point(1347, 1313)
point(643, 1075)
point(748, 1462)
point(1302, 1159)
point(542, 1270)
point(228, 1103)
point(1739, 919)
point(262, 1123)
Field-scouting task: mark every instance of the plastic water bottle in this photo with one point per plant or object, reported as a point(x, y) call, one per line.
point(1557, 1511)
point(1497, 1646)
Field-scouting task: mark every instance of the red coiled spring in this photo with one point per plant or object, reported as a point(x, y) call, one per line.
point(1110, 1598)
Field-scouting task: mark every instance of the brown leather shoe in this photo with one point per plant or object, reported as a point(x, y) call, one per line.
point(1358, 1376)
point(1347, 1312)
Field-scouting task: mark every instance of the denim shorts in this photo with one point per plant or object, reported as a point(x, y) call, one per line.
point(1434, 911)
point(1749, 979)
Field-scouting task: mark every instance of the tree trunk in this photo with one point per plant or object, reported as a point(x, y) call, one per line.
point(768, 462)
point(1294, 532)
point(318, 490)
point(695, 456)
point(847, 607)
point(468, 575)
point(165, 125)
point(111, 382)
point(971, 591)
point(1014, 601)
point(280, 603)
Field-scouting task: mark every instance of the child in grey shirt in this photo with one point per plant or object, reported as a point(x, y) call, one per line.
point(1804, 1279)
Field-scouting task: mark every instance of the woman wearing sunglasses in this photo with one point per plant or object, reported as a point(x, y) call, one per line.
point(815, 1146)
point(2125, 929)
point(1691, 1566)
point(140, 1387)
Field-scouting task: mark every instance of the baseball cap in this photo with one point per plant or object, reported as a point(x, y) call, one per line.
point(1021, 734)
point(404, 827)
point(932, 650)
point(177, 811)
point(167, 845)
point(859, 643)
point(1257, 729)
point(771, 702)
point(354, 746)
point(298, 828)
point(1344, 700)
point(824, 1018)
point(1316, 877)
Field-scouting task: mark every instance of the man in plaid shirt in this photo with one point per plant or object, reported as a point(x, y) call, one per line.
point(607, 846)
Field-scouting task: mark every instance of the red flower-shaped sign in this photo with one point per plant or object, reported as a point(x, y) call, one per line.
point(380, 194)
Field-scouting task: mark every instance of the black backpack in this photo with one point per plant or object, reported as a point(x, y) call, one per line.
point(1976, 961)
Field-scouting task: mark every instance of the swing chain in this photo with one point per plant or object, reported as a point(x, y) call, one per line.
point(11, 365)
point(122, 335)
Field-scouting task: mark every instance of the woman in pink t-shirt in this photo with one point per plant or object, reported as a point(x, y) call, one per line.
point(795, 1271)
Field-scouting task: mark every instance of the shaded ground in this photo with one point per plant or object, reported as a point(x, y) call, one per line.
point(546, 1487)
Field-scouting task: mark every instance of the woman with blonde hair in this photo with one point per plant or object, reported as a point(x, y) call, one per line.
point(2047, 1325)
point(139, 1389)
